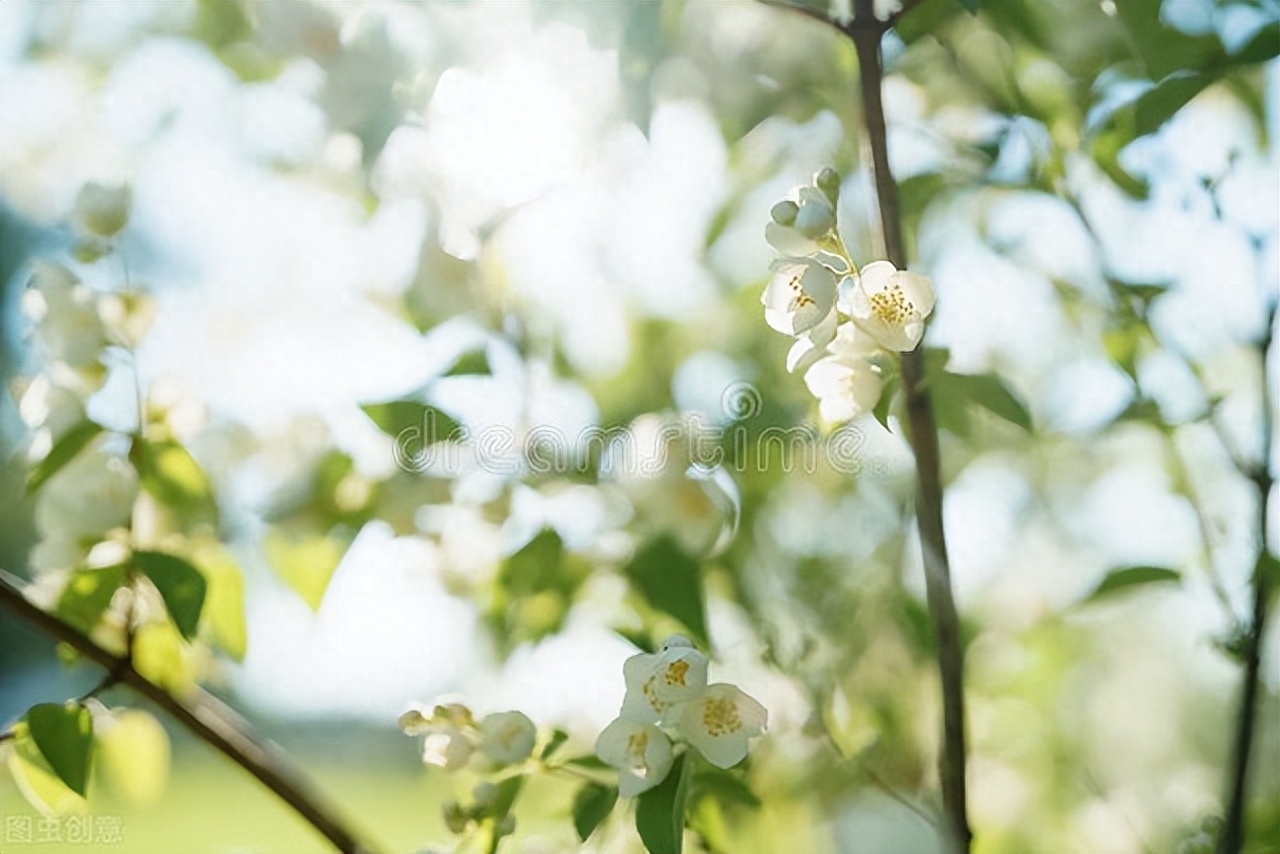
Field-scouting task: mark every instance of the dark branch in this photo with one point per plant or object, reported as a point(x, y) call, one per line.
point(1233, 830)
point(206, 717)
point(923, 434)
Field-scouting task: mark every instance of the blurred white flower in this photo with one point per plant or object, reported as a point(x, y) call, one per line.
point(641, 752)
point(507, 737)
point(891, 305)
point(721, 722)
point(658, 682)
point(449, 732)
point(845, 388)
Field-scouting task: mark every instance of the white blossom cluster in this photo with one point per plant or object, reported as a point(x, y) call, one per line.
point(841, 317)
point(668, 700)
point(453, 736)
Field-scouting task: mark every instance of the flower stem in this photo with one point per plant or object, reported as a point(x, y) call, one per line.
point(204, 716)
point(1264, 578)
point(923, 434)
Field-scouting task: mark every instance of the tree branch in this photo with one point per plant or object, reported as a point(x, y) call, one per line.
point(1233, 830)
point(923, 433)
point(206, 717)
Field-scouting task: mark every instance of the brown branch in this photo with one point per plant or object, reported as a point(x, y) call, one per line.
point(206, 717)
point(1233, 830)
point(923, 433)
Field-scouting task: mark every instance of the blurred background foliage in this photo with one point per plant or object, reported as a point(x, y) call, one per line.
point(350, 220)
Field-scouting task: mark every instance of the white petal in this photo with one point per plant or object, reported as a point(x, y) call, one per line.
point(640, 752)
point(876, 276)
point(782, 321)
point(720, 723)
point(826, 377)
point(788, 241)
point(852, 343)
point(918, 290)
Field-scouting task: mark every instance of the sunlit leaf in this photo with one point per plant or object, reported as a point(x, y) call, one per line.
point(161, 656)
point(671, 581)
point(1158, 104)
point(132, 755)
point(660, 812)
point(592, 805)
point(71, 443)
point(39, 784)
point(87, 595)
point(181, 585)
point(224, 603)
point(168, 472)
point(305, 560)
point(1129, 577)
point(64, 735)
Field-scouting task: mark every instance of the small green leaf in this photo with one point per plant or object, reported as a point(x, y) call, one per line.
point(558, 738)
point(660, 812)
point(955, 393)
point(169, 473)
point(63, 451)
point(592, 762)
point(64, 735)
point(181, 585)
point(536, 566)
point(425, 424)
point(971, 6)
point(305, 559)
point(671, 581)
point(592, 805)
point(88, 594)
point(1131, 576)
point(474, 362)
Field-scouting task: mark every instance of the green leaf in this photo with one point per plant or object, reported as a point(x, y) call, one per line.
point(1118, 580)
point(88, 594)
point(724, 787)
point(953, 394)
point(425, 424)
point(558, 738)
point(63, 451)
point(1164, 49)
point(536, 566)
point(508, 790)
point(660, 812)
point(1264, 46)
point(64, 735)
point(224, 605)
point(924, 19)
point(971, 6)
point(1158, 104)
point(592, 762)
point(671, 581)
point(592, 805)
point(1106, 153)
point(305, 559)
point(169, 473)
point(181, 585)
point(474, 362)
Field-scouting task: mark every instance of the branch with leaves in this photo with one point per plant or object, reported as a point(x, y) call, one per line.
point(203, 715)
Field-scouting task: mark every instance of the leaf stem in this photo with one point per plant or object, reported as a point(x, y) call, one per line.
point(204, 716)
point(866, 33)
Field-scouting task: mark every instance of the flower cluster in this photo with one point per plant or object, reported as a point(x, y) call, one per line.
point(453, 736)
point(668, 699)
point(815, 283)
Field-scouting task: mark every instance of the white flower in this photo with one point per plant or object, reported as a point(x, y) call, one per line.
point(810, 346)
point(845, 382)
point(447, 747)
point(658, 682)
point(449, 741)
point(801, 295)
point(507, 737)
point(891, 305)
point(720, 722)
point(640, 752)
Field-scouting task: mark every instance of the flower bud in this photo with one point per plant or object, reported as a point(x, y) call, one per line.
point(455, 817)
point(815, 219)
point(103, 210)
point(506, 826)
point(828, 181)
point(484, 794)
point(784, 212)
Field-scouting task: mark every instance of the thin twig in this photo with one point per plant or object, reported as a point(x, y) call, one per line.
point(206, 717)
point(923, 434)
point(1232, 839)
